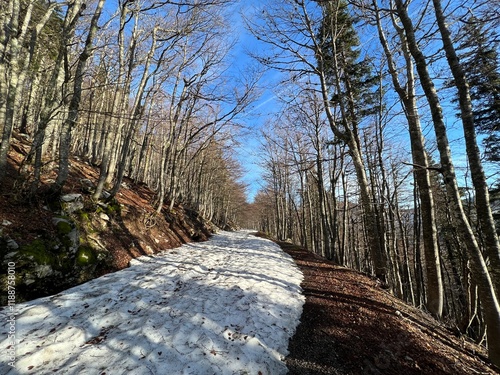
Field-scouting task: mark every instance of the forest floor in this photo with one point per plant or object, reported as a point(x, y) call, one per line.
point(133, 230)
point(350, 325)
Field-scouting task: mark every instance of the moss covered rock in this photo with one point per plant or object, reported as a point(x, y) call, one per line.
point(55, 261)
point(37, 252)
point(72, 203)
point(85, 256)
point(113, 208)
point(63, 227)
point(67, 234)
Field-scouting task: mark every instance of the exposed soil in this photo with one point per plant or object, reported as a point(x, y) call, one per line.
point(133, 230)
point(350, 325)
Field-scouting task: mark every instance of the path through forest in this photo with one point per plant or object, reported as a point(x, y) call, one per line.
point(350, 326)
point(225, 306)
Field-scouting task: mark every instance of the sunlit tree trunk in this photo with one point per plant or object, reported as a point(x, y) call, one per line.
point(406, 93)
point(52, 102)
point(115, 121)
point(483, 208)
point(74, 105)
point(9, 72)
point(134, 122)
point(479, 270)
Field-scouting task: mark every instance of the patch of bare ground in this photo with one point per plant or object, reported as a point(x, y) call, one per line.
point(133, 230)
point(350, 325)
point(138, 229)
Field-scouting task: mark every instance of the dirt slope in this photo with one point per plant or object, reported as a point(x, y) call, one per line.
point(352, 326)
point(109, 234)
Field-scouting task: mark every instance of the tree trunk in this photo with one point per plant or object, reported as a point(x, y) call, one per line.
point(483, 208)
point(435, 293)
point(9, 88)
point(479, 270)
point(74, 105)
point(134, 122)
point(14, 39)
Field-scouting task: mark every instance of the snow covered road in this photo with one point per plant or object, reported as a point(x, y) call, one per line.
point(225, 306)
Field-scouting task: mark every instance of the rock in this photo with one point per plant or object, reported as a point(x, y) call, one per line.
point(72, 202)
point(87, 185)
point(148, 250)
point(85, 256)
point(43, 270)
point(10, 255)
point(6, 223)
point(36, 253)
point(103, 216)
point(11, 244)
point(71, 197)
point(67, 233)
point(7, 243)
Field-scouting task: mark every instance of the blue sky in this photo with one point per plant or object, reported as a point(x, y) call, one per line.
point(267, 105)
point(247, 148)
point(248, 153)
point(255, 118)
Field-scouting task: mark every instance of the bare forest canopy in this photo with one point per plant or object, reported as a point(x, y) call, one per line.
point(138, 88)
point(357, 164)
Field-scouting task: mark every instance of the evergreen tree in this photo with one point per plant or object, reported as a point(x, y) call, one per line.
point(345, 68)
point(481, 64)
point(347, 85)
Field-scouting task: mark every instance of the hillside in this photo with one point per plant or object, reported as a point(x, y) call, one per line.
point(350, 325)
point(58, 244)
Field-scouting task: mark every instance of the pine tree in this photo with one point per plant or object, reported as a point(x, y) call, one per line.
point(480, 61)
point(347, 70)
point(350, 86)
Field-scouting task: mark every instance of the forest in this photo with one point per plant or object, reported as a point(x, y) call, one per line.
point(383, 154)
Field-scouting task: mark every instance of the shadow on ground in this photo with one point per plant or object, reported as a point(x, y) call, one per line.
point(350, 325)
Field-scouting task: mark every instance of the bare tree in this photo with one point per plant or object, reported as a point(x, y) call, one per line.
point(13, 68)
point(480, 272)
point(74, 105)
point(404, 85)
point(487, 224)
point(295, 36)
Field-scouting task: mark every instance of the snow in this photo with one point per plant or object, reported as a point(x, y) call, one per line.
point(225, 306)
